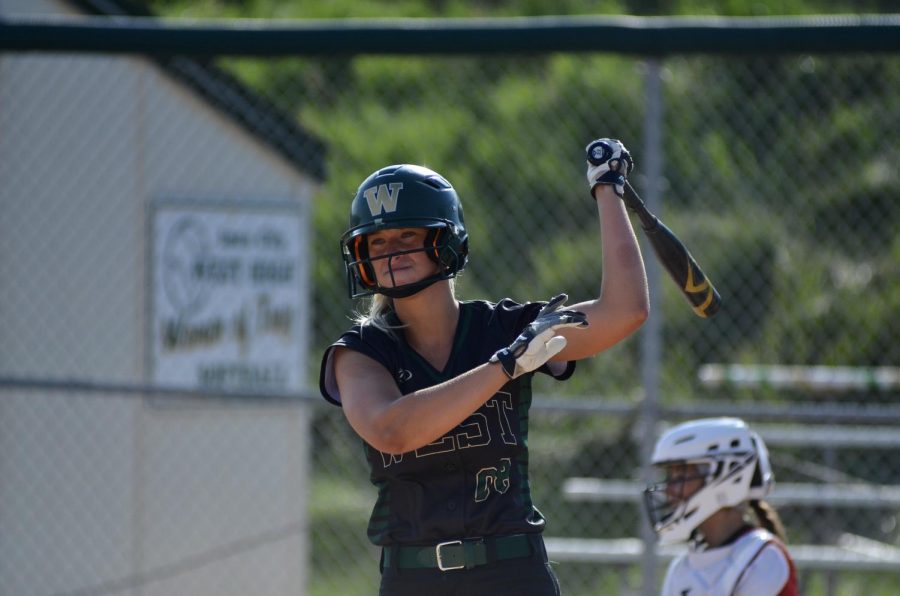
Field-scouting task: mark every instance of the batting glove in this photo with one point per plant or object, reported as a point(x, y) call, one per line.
point(608, 162)
point(538, 343)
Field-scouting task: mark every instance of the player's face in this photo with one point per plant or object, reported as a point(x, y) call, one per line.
point(683, 480)
point(398, 258)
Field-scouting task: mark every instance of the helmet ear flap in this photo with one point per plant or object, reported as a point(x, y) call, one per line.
point(364, 270)
point(763, 479)
point(431, 244)
point(757, 479)
point(446, 251)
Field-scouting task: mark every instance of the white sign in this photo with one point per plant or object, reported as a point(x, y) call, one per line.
point(228, 286)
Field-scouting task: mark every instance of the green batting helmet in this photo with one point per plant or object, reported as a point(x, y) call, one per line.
point(404, 196)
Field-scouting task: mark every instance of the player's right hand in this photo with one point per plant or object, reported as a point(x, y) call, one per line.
point(608, 162)
point(539, 342)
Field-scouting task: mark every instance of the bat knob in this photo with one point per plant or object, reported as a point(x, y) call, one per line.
point(598, 152)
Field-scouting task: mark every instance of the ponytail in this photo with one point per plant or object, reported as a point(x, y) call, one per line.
point(769, 519)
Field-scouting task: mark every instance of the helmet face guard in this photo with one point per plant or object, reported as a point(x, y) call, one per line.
point(361, 278)
point(667, 499)
point(708, 465)
point(404, 196)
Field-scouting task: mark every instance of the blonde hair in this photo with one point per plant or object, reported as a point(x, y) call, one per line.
point(378, 315)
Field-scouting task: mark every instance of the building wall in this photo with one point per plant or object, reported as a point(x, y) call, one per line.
point(154, 496)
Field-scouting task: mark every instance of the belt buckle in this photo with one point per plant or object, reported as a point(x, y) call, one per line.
point(440, 562)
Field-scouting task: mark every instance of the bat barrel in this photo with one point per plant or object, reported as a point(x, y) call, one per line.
point(683, 270)
point(705, 300)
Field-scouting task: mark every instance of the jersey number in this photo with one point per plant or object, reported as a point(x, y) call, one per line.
point(489, 479)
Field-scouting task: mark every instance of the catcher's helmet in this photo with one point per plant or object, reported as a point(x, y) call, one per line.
point(404, 196)
point(730, 459)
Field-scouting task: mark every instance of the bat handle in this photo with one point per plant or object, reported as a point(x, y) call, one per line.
point(634, 203)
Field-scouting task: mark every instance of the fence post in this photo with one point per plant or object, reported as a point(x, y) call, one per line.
point(651, 337)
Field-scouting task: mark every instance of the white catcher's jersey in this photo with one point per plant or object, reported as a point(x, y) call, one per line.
point(753, 565)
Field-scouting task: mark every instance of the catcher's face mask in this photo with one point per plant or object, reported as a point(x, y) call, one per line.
point(668, 495)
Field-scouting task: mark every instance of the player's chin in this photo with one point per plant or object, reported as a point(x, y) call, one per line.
point(400, 278)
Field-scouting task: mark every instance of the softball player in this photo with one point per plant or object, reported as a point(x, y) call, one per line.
point(439, 389)
point(713, 470)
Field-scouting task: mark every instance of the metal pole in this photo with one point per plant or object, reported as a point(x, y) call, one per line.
point(651, 338)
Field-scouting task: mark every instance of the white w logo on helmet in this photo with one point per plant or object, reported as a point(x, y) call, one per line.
point(383, 198)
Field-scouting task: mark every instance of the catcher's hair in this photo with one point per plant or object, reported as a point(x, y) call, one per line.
point(768, 518)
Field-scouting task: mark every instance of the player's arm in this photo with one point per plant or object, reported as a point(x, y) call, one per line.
point(624, 302)
point(396, 423)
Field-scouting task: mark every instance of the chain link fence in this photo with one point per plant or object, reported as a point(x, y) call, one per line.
point(779, 171)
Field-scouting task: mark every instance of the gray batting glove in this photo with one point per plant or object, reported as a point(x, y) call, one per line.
point(538, 342)
point(608, 162)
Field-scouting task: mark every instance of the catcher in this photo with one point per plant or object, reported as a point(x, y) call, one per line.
point(715, 470)
point(439, 389)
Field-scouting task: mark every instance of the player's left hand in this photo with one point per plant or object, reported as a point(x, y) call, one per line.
point(539, 342)
point(608, 162)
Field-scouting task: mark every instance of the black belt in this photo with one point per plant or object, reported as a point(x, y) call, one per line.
point(461, 554)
